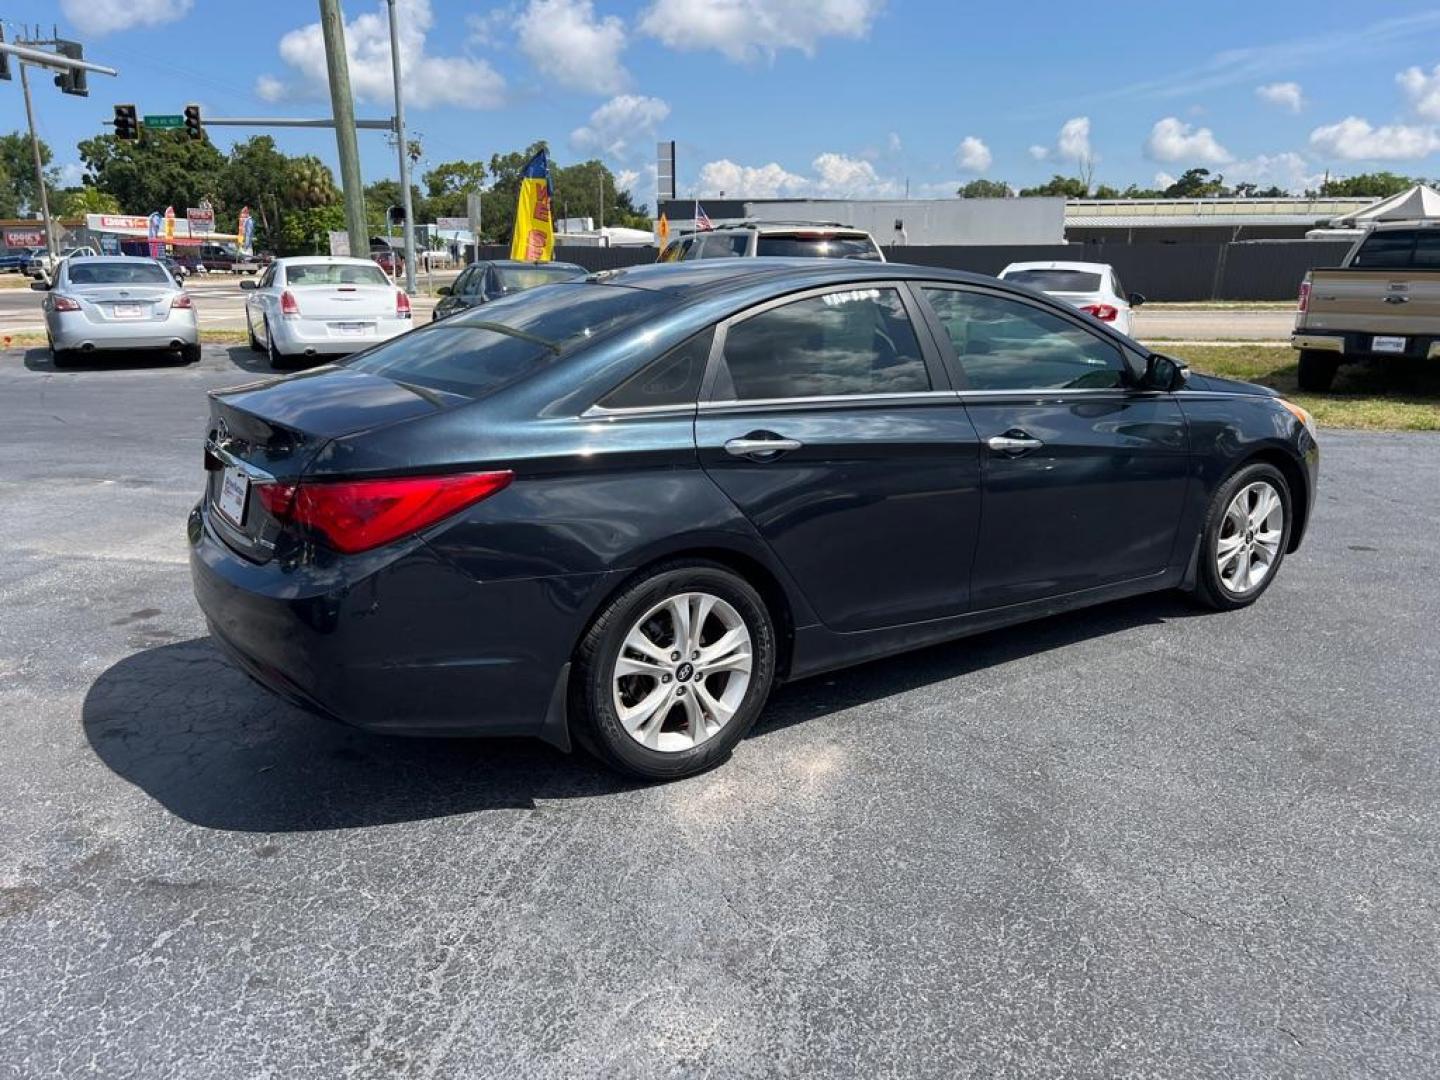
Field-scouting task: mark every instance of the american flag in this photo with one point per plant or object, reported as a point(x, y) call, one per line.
point(702, 219)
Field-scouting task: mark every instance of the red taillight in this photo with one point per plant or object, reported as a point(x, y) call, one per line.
point(1305, 296)
point(63, 303)
point(289, 306)
point(357, 515)
point(1103, 312)
point(182, 301)
point(402, 305)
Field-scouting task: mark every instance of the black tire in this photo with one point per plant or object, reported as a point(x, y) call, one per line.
point(593, 715)
point(255, 345)
point(1317, 370)
point(190, 354)
point(272, 354)
point(1211, 589)
point(61, 358)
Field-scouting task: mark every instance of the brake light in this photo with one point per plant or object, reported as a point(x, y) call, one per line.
point(182, 301)
point(63, 303)
point(289, 306)
point(1304, 296)
point(402, 305)
point(1103, 312)
point(357, 515)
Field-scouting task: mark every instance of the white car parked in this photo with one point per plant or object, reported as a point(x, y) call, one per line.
point(322, 306)
point(1092, 287)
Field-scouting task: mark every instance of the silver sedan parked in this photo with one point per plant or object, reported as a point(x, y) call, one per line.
point(113, 303)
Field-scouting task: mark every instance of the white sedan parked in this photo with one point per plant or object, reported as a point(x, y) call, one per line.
point(1092, 287)
point(322, 306)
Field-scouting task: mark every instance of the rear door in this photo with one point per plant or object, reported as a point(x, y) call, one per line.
point(826, 419)
point(1084, 477)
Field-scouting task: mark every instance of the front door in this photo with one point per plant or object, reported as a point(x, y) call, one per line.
point(828, 425)
point(1084, 475)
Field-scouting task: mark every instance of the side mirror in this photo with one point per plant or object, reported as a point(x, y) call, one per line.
point(1136, 299)
point(39, 286)
point(444, 290)
point(1164, 373)
point(249, 283)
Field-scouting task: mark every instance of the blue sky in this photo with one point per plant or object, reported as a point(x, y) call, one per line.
point(822, 97)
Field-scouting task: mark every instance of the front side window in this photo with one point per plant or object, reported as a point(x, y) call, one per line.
point(510, 279)
point(1004, 344)
point(847, 342)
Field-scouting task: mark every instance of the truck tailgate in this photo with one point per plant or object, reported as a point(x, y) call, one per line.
point(1400, 302)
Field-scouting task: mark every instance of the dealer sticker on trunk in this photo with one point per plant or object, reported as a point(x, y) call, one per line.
point(234, 494)
point(1388, 344)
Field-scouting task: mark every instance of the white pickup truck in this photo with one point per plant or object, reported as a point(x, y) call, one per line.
point(42, 267)
point(1381, 304)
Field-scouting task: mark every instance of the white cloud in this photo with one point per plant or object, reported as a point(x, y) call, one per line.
point(1287, 95)
point(973, 155)
point(750, 29)
point(614, 125)
point(1171, 139)
point(1074, 141)
point(893, 145)
point(1422, 90)
point(429, 80)
point(725, 177)
point(1289, 170)
point(1353, 139)
point(1163, 180)
point(565, 41)
point(625, 180)
point(840, 176)
point(99, 17)
point(1039, 153)
point(72, 174)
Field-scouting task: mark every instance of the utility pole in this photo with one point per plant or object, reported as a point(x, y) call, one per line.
point(602, 202)
point(409, 228)
point(39, 168)
point(332, 26)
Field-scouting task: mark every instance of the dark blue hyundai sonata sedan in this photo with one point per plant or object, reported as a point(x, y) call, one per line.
point(620, 510)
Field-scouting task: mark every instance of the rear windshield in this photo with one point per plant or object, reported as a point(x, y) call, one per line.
point(519, 278)
point(138, 273)
point(1393, 249)
point(817, 247)
point(334, 274)
point(1056, 280)
point(483, 349)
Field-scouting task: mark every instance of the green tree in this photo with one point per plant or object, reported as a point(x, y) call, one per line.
point(1135, 191)
point(17, 164)
point(1069, 187)
point(307, 232)
point(984, 189)
point(1378, 185)
point(1197, 184)
point(448, 186)
point(1107, 191)
point(9, 197)
point(1248, 189)
point(164, 168)
point(78, 201)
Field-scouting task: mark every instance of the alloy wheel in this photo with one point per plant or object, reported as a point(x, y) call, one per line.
point(1250, 534)
point(682, 671)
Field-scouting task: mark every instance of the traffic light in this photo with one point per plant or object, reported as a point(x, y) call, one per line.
point(397, 215)
point(192, 122)
point(127, 124)
point(72, 80)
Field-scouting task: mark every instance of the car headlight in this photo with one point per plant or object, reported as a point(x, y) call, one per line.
point(1303, 415)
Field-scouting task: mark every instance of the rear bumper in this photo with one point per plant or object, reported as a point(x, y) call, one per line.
point(402, 644)
point(1358, 344)
point(314, 337)
point(71, 330)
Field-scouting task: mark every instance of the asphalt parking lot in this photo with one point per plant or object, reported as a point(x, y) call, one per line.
point(1136, 841)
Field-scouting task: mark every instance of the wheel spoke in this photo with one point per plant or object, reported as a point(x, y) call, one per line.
point(632, 665)
point(695, 719)
point(1227, 546)
point(643, 712)
point(680, 621)
point(1242, 571)
point(719, 712)
point(704, 604)
point(1264, 503)
point(638, 641)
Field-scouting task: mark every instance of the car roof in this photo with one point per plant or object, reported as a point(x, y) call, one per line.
point(1055, 264)
point(110, 259)
point(324, 260)
point(718, 276)
point(522, 264)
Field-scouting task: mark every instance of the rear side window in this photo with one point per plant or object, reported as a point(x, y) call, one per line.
point(1056, 280)
point(1005, 344)
point(674, 379)
point(724, 245)
point(817, 247)
point(853, 341)
point(482, 349)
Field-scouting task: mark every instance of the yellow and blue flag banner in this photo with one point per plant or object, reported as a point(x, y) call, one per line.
point(533, 238)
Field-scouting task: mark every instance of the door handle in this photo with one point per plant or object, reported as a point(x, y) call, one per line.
point(1392, 299)
point(752, 445)
point(1013, 444)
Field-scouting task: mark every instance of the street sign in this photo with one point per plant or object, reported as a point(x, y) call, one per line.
point(168, 121)
point(452, 224)
point(201, 218)
point(339, 243)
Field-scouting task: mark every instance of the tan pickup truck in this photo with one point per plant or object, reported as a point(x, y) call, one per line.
point(1381, 304)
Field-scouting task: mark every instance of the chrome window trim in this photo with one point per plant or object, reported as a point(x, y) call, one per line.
point(599, 412)
point(826, 400)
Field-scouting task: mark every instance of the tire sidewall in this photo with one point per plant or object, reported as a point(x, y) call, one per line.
point(602, 728)
point(1209, 548)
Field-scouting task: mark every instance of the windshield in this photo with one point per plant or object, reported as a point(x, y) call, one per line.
point(519, 278)
point(1056, 280)
point(817, 247)
point(484, 349)
point(334, 274)
point(136, 273)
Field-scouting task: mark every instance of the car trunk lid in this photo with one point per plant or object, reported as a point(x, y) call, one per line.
point(344, 303)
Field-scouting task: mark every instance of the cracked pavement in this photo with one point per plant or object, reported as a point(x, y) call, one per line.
point(1136, 841)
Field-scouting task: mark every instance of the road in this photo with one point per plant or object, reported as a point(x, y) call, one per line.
point(1137, 841)
point(221, 306)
